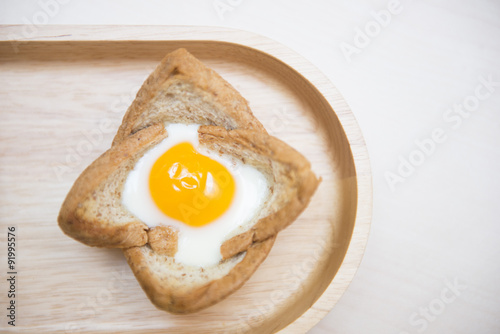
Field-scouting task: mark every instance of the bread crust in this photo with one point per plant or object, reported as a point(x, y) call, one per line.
point(179, 67)
point(182, 301)
point(75, 218)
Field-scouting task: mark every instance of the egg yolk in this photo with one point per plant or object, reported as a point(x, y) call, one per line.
point(190, 187)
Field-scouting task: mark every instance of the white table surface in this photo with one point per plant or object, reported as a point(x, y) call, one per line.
point(432, 261)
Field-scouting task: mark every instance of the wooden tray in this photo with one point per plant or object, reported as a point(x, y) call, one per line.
point(63, 92)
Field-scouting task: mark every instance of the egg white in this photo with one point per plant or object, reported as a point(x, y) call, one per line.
point(197, 246)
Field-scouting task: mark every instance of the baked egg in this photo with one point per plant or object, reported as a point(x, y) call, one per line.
point(202, 194)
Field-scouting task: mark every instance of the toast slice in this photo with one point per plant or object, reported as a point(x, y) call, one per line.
point(183, 90)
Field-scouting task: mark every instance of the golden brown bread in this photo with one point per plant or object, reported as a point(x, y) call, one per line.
point(183, 90)
point(288, 172)
point(92, 212)
point(167, 290)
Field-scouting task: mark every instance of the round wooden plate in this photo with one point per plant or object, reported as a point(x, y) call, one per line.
point(87, 69)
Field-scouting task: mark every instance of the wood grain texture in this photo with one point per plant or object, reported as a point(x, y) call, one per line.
point(62, 96)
